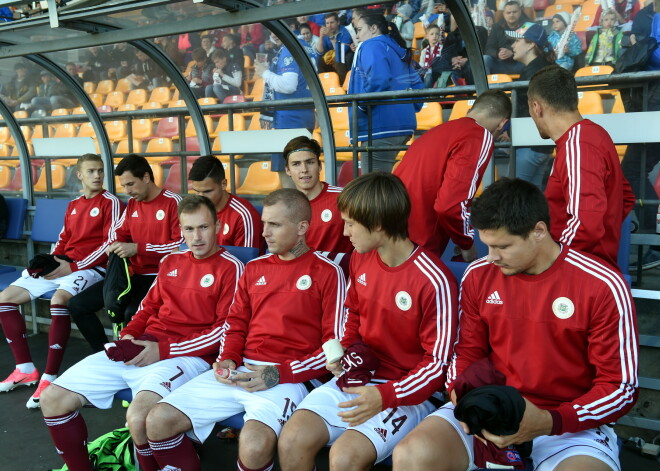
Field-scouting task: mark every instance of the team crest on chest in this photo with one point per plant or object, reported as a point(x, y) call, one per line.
point(225, 229)
point(403, 300)
point(160, 215)
point(563, 308)
point(304, 282)
point(207, 280)
point(94, 212)
point(326, 215)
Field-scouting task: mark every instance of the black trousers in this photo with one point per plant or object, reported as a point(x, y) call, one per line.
point(83, 308)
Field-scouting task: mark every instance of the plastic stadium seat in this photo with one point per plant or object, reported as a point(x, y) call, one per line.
point(159, 145)
point(342, 139)
point(123, 85)
point(14, 151)
point(167, 127)
point(160, 95)
point(115, 99)
point(86, 130)
point(142, 128)
point(191, 130)
point(248, 66)
point(347, 80)
point(78, 110)
point(329, 80)
point(105, 87)
point(5, 176)
point(255, 124)
point(137, 97)
point(335, 91)
point(158, 177)
point(402, 153)
point(340, 117)
point(20, 114)
point(460, 109)
point(192, 144)
point(418, 34)
point(617, 106)
point(122, 146)
point(5, 135)
point(223, 124)
point(58, 178)
point(499, 78)
point(127, 107)
point(237, 173)
point(206, 101)
point(235, 98)
point(173, 180)
point(65, 130)
point(60, 112)
point(346, 174)
point(97, 99)
point(552, 10)
point(429, 116)
point(590, 103)
point(35, 133)
point(105, 109)
point(116, 130)
point(90, 87)
point(592, 70)
point(540, 5)
point(152, 105)
point(259, 180)
point(177, 104)
point(257, 91)
point(5, 151)
point(17, 212)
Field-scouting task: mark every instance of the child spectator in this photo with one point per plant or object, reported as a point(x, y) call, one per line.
point(405, 24)
point(227, 77)
point(604, 46)
point(435, 38)
point(573, 46)
point(200, 73)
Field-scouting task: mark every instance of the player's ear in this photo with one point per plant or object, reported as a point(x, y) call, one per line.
point(223, 185)
point(540, 231)
point(303, 227)
point(217, 226)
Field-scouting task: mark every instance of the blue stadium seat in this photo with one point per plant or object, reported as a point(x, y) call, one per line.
point(17, 211)
point(244, 254)
point(623, 258)
point(48, 220)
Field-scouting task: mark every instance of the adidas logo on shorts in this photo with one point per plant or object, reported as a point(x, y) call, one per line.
point(261, 281)
point(494, 298)
point(167, 385)
point(381, 432)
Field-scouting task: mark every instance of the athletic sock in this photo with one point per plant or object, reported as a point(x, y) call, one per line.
point(242, 467)
point(26, 368)
point(177, 451)
point(146, 457)
point(69, 433)
point(13, 325)
point(58, 336)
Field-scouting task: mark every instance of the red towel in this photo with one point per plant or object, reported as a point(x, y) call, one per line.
point(126, 350)
point(359, 364)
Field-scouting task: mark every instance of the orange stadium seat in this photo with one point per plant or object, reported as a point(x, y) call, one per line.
point(499, 78)
point(255, 124)
point(339, 117)
point(160, 95)
point(105, 87)
point(460, 109)
point(329, 80)
point(191, 130)
point(127, 107)
point(152, 105)
point(347, 79)
point(78, 110)
point(90, 87)
point(590, 103)
point(248, 66)
point(177, 104)
point(158, 176)
point(5, 135)
point(206, 101)
point(552, 10)
point(122, 146)
point(142, 128)
point(5, 150)
point(237, 172)
point(115, 99)
point(65, 130)
point(137, 97)
point(223, 123)
point(60, 112)
point(5, 176)
point(343, 139)
point(157, 145)
point(58, 178)
point(257, 91)
point(86, 130)
point(335, 91)
point(259, 180)
point(617, 106)
point(418, 35)
point(116, 130)
point(429, 116)
point(20, 114)
point(123, 85)
point(592, 70)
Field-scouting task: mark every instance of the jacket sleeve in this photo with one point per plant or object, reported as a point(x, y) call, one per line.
point(492, 45)
point(437, 333)
point(574, 45)
point(465, 169)
point(612, 352)
point(332, 291)
point(232, 342)
point(207, 341)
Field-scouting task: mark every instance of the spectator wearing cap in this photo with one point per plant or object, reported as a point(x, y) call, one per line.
point(499, 55)
point(20, 89)
point(532, 50)
point(573, 47)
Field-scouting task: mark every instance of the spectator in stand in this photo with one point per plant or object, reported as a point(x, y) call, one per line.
point(72, 70)
point(121, 57)
point(41, 101)
point(499, 54)
point(96, 64)
point(19, 91)
point(404, 23)
point(240, 223)
point(146, 74)
point(308, 36)
point(606, 43)
point(383, 63)
point(169, 46)
point(6, 14)
point(207, 45)
point(315, 28)
point(335, 47)
point(641, 26)
point(527, 6)
point(573, 46)
point(531, 49)
point(625, 11)
point(435, 38)
point(230, 43)
point(201, 73)
point(62, 96)
point(227, 77)
point(252, 37)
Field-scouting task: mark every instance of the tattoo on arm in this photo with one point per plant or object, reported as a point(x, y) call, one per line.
point(299, 249)
point(271, 376)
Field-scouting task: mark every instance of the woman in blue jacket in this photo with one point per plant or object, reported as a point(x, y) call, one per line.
point(383, 63)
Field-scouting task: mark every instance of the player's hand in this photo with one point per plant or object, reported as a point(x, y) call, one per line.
point(260, 68)
point(368, 403)
point(452, 397)
point(63, 270)
point(260, 378)
point(228, 364)
point(323, 31)
point(535, 422)
point(335, 368)
point(123, 249)
point(150, 354)
point(469, 255)
point(127, 337)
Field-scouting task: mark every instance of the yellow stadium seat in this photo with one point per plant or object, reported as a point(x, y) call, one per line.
point(5, 135)
point(142, 128)
point(58, 178)
point(157, 145)
point(116, 130)
point(90, 87)
point(259, 180)
point(105, 87)
point(158, 176)
point(237, 172)
point(115, 99)
point(257, 92)
point(177, 104)
point(191, 130)
point(329, 80)
point(255, 124)
point(347, 79)
point(122, 146)
point(86, 130)
point(590, 103)
point(460, 109)
point(20, 114)
point(223, 123)
point(418, 35)
point(5, 176)
point(206, 101)
point(552, 10)
point(123, 85)
point(402, 153)
point(64, 130)
point(160, 95)
point(152, 105)
point(592, 70)
point(36, 133)
point(499, 78)
point(137, 97)
point(97, 99)
point(343, 139)
point(60, 112)
point(339, 117)
point(126, 107)
point(429, 116)
point(335, 91)
point(618, 107)
point(5, 150)
point(78, 110)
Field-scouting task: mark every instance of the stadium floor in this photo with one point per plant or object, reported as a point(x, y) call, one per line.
point(25, 444)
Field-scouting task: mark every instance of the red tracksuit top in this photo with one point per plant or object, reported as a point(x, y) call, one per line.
point(240, 224)
point(154, 226)
point(187, 305)
point(408, 316)
point(442, 171)
point(283, 312)
point(587, 193)
point(566, 338)
point(88, 225)
point(326, 229)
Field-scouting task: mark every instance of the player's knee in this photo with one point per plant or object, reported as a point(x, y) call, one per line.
point(55, 401)
point(405, 452)
point(164, 421)
point(257, 445)
point(136, 418)
point(61, 297)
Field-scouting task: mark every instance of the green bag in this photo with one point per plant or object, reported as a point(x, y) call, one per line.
point(111, 452)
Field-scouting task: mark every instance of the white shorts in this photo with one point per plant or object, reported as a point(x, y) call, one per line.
point(550, 450)
point(206, 401)
point(73, 283)
point(98, 378)
point(384, 430)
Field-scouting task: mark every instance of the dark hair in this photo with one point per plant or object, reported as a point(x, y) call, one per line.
point(387, 28)
point(512, 204)
point(219, 54)
point(199, 55)
point(88, 158)
point(377, 199)
point(207, 166)
point(433, 26)
point(136, 164)
point(512, 2)
point(546, 53)
point(233, 38)
point(495, 102)
point(301, 143)
point(191, 203)
point(304, 25)
point(361, 11)
point(556, 87)
point(332, 14)
point(296, 202)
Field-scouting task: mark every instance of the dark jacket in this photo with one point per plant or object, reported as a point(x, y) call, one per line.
point(498, 37)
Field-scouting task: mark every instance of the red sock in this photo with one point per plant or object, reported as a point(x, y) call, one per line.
point(58, 336)
point(242, 467)
point(146, 457)
point(69, 434)
point(14, 326)
point(177, 451)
